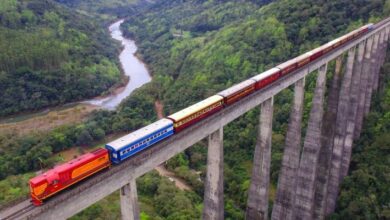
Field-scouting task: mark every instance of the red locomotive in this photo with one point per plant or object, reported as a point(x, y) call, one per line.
point(65, 175)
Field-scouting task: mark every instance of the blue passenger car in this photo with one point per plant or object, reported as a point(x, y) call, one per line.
point(132, 143)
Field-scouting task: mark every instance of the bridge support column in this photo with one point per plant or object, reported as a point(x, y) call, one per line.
point(213, 194)
point(129, 201)
point(306, 177)
point(285, 197)
point(353, 107)
point(257, 206)
point(383, 56)
point(339, 137)
point(328, 128)
point(362, 89)
point(379, 57)
point(373, 67)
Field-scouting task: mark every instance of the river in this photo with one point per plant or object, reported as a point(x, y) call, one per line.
point(131, 66)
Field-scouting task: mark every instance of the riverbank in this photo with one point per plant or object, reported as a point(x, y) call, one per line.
point(47, 120)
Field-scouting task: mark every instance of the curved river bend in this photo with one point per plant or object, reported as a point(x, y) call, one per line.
point(131, 66)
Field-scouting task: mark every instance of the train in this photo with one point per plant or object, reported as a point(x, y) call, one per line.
point(65, 175)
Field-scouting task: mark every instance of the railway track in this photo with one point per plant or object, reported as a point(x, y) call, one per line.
point(17, 212)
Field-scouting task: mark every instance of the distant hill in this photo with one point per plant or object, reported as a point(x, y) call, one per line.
point(114, 7)
point(51, 55)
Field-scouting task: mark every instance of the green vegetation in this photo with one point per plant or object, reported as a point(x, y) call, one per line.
point(14, 187)
point(196, 48)
point(158, 197)
point(107, 10)
point(93, 5)
point(51, 55)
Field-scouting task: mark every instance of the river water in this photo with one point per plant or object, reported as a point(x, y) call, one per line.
point(131, 66)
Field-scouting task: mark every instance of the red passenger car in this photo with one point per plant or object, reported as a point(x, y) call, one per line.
point(287, 67)
point(67, 174)
point(238, 91)
point(266, 78)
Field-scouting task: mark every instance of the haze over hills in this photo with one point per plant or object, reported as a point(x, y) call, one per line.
point(97, 4)
point(193, 50)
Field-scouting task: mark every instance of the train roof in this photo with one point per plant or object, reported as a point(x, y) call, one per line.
point(138, 134)
point(286, 64)
point(303, 56)
point(53, 173)
point(195, 108)
point(236, 88)
point(265, 74)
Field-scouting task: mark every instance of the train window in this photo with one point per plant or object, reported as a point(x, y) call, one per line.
point(54, 182)
point(114, 155)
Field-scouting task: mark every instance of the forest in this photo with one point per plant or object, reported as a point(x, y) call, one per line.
point(51, 55)
point(194, 50)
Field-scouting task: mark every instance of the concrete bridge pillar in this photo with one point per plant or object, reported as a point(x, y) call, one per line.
point(285, 196)
point(385, 42)
point(380, 60)
point(328, 127)
point(353, 107)
point(129, 201)
point(386, 39)
point(306, 176)
point(213, 194)
point(384, 46)
point(362, 90)
point(339, 136)
point(373, 68)
point(257, 206)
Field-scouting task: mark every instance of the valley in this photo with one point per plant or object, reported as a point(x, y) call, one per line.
point(193, 49)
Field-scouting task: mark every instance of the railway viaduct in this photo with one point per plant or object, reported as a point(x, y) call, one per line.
point(312, 168)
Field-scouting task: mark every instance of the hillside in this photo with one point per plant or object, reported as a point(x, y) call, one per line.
point(196, 48)
point(106, 9)
point(51, 55)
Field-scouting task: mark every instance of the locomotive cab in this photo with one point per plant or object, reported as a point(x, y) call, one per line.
point(38, 186)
